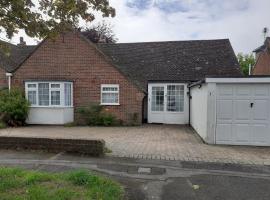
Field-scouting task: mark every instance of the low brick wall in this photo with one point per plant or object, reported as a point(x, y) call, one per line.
point(89, 147)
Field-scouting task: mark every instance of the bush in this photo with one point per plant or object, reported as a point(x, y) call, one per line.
point(96, 116)
point(70, 124)
point(14, 107)
point(2, 125)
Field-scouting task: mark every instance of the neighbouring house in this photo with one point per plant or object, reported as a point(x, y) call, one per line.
point(177, 82)
point(262, 65)
point(11, 59)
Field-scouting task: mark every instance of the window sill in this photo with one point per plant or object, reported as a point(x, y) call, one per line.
point(51, 107)
point(110, 104)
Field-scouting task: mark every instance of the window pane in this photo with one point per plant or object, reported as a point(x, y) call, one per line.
point(43, 94)
point(67, 94)
point(32, 98)
point(55, 85)
point(110, 98)
point(55, 98)
point(175, 98)
point(110, 89)
point(157, 103)
point(31, 85)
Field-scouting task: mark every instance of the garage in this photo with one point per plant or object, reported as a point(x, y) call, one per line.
point(233, 111)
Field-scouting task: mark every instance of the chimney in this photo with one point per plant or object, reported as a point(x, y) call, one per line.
point(102, 39)
point(22, 42)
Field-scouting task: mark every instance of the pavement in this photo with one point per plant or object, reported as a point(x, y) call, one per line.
point(157, 179)
point(152, 142)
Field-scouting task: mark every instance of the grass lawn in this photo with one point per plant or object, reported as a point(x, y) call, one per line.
point(19, 184)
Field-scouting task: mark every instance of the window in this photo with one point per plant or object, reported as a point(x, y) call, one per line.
point(32, 97)
point(32, 93)
point(55, 94)
point(175, 98)
point(157, 98)
point(67, 94)
point(110, 94)
point(46, 94)
point(55, 98)
point(43, 94)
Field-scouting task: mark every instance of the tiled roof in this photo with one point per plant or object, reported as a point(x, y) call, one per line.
point(16, 55)
point(181, 61)
point(173, 61)
point(264, 46)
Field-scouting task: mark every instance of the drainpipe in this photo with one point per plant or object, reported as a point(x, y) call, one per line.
point(9, 75)
point(249, 69)
point(189, 108)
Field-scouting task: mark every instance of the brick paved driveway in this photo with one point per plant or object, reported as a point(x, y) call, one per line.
point(166, 142)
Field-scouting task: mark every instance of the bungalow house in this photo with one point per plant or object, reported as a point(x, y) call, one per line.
point(176, 82)
point(262, 65)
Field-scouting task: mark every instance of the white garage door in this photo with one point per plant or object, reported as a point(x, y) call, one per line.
point(243, 114)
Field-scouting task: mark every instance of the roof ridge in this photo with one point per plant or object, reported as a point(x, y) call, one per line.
point(16, 45)
point(169, 41)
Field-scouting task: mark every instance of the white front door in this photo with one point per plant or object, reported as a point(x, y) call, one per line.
point(166, 103)
point(243, 114)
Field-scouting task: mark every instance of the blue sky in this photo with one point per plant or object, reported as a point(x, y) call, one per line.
point(241, 21)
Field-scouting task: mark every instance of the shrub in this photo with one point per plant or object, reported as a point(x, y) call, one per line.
point(2, 125)
point(13, 107)
point(96, 116)
point(70, 124)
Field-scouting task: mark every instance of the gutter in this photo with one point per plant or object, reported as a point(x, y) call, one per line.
point(9, 75)
point(196, 83)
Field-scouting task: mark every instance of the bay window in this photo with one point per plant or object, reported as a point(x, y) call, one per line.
point(109, 94)
point(49, 94)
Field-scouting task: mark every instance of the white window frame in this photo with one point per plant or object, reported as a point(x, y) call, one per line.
point(35, 89)
point(61, 89)
point(115, 92)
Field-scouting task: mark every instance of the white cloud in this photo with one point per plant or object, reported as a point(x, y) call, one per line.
point(241, 21)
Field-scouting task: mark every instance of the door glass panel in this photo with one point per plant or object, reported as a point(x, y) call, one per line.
point(157, 103)
point(175, 98)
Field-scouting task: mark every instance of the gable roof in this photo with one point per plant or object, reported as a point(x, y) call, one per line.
point(264, 46)
point(181, 61)
point(173, 61)
point(17, 54)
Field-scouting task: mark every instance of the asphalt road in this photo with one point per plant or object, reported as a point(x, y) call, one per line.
point(164, 181)
point(217, 188)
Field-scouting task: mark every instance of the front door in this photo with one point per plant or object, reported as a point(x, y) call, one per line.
point(166, 103)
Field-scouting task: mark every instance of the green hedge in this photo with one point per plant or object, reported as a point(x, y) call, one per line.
point(94, 115)
point(14, 107)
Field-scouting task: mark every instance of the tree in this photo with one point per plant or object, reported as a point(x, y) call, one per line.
point(246, 60)
point(101, 32)
point(41, 18)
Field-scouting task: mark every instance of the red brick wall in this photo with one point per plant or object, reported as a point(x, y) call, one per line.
point(3, 79)
point(262, 66)
point(71, 58)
